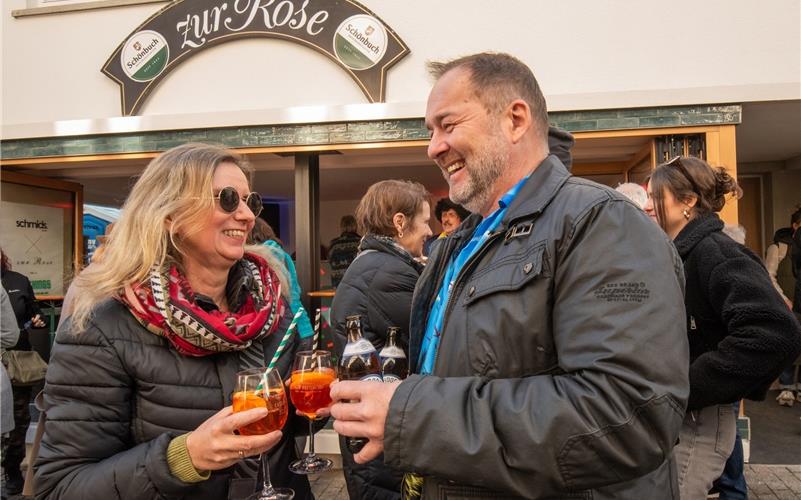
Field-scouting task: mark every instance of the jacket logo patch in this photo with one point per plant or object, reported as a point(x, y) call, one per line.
point(623, 292)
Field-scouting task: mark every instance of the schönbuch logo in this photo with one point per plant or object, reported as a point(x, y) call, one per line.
point(360, 42)
point(145, 55)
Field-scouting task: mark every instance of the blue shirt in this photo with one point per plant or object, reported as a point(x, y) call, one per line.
point(430, 344)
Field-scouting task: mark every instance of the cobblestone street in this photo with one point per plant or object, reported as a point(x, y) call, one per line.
point(772, 481)
point(329, 485)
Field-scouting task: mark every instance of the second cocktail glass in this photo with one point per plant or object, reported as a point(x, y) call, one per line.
point(263, 388)
point(312, 375)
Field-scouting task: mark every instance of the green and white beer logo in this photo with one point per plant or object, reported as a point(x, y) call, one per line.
point(360, 41)
point(145, 55)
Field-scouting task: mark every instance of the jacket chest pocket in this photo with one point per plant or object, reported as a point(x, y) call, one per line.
point(507, 313)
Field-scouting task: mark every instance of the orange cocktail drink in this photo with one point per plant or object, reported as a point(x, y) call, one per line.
point(309, 390)
point(275, 402)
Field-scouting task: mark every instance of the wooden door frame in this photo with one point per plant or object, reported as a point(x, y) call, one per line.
point(721, 150)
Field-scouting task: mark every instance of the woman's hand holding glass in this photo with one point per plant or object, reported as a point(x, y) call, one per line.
point(263, 388)
point(214, 445)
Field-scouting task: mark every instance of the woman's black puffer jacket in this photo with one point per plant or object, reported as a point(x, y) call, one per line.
point(378, 286)
point(117, 394)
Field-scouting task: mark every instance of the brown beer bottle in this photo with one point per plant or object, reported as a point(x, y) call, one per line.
point(394, 366)
point(359, 362)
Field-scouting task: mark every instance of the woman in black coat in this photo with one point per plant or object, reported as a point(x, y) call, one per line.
point(141, 377)
point(741, 333)
point(378, 285)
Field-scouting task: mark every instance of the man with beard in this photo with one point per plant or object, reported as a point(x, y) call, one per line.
point(547, 359)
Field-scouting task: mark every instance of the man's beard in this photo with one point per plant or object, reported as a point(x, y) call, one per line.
point(485, 166)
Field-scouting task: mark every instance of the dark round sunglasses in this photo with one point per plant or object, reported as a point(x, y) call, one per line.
point(229, 200)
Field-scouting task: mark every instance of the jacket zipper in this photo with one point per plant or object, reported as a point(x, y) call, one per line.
point(457, 287)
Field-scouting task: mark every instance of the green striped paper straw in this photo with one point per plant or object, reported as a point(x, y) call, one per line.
point(285, 340)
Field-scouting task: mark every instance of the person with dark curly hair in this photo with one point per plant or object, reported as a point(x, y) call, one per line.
point(450, 216)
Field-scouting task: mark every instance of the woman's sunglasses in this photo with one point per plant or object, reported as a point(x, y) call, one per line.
point(229, 200)
point(676, 162)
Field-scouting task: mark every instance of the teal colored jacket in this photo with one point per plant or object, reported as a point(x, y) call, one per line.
point(304, 324)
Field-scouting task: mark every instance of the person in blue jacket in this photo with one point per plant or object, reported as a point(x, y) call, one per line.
point(263, 234)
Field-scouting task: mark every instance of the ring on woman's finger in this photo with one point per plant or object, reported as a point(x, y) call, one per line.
point(241, 454)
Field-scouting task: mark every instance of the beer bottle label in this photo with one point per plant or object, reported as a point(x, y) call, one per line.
point(390, 378)
point(362, 346)
point(392, 351)
point(373, 377)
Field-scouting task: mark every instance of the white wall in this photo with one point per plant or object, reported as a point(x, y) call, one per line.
point(586, 54)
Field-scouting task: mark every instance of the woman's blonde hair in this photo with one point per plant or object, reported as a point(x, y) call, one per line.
point(172, 197)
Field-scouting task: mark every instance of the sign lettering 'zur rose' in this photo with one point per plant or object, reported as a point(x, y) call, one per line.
point(344, 30)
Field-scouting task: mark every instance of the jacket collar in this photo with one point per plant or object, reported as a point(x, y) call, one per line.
point(534, 195)
point(540, 188)
point(695, 231)
point(370, 242)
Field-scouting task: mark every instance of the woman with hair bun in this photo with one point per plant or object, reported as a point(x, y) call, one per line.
point(741, 333)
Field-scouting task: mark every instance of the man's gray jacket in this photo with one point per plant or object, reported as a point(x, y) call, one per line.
point(562, 369)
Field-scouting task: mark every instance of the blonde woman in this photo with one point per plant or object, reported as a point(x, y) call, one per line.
point(141, 375)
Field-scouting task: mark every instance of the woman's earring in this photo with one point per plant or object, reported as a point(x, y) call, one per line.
point(400, 234)
point(686, 214)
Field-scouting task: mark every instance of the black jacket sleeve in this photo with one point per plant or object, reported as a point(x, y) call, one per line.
point(31, 306)
point(762, 336)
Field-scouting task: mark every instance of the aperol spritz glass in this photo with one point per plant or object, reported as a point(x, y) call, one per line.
point(263, 388)
point(312, 375)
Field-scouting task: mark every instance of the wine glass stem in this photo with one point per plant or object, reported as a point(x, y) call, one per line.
point(266, 482)
point(311, 438)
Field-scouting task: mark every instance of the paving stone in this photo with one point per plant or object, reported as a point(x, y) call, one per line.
point(773, 481)
point(329, 485)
